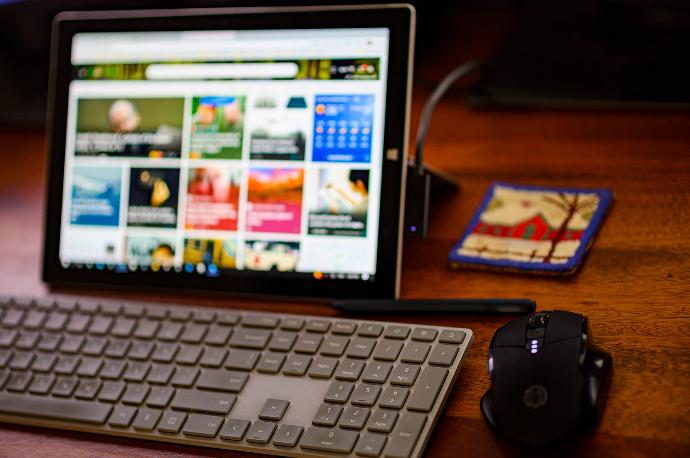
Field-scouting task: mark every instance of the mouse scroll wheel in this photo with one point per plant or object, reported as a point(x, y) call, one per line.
point(538, 320)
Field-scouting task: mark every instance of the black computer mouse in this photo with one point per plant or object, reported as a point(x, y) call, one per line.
point(547, 380)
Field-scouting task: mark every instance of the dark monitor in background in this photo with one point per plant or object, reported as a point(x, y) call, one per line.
point(592, 54)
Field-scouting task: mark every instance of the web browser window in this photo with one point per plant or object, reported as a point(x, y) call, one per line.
point(212, 151)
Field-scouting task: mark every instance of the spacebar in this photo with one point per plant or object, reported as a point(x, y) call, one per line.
point(55, 409)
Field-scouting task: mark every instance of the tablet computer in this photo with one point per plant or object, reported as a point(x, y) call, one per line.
point(257, 151)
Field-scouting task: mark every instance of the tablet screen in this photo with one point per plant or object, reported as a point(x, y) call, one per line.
point(209, 152)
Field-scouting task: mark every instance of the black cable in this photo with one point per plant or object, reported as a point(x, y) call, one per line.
point(430, 104)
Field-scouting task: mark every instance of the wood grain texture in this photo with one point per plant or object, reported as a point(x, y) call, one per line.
point(634, 285)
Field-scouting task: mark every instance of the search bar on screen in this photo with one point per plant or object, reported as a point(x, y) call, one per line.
point(220, 71)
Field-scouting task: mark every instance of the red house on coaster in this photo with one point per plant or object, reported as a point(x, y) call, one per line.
point(534, 228)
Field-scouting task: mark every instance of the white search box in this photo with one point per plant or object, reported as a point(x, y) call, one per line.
point(220, 71)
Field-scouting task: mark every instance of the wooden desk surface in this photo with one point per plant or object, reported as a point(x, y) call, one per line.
point(634, 285)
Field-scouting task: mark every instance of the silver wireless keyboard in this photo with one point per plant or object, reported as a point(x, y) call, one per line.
point(258, 382)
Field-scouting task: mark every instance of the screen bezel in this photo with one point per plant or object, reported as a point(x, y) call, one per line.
point(399, 19)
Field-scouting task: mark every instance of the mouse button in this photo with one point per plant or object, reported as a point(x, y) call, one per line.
point(511, 334)
point(563, 325)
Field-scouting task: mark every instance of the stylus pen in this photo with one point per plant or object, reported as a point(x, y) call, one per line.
point(493, 306)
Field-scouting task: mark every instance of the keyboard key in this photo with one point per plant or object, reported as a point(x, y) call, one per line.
point(360, 347)
point(160, 374)
point(88, 307)
point(296, 365)
point(170, 332)
point(111, 308)
point(89, 367)
point(345, 328)
point(370, 444)
point(113, 369)
point(135, 393)
point(260, 432)
point(94, 346)
point(160, 396)
point(213, 357)
point(376, 372)
point(111, 391)
point(229, 318)
point(334, 345)
point(394, 397)
point(396, 332)
point(271, 363)
point(204, 316)
point(287, 435)
point(382, 421)
point(250, 338)
point(21, 360)
point(34, 319)
point(55, 409)
point(185, 376)
point(78, 323)
point(201, 401)
point(322, 367)
point(274, 409)
point(282, 341)
point(172, 422)
point(443, 355)
point(18, 381)
point(327, 415)
point(146, 419)
point(349, 369)
point(329, 440)
point(388, 350)
point(339, 392)
point(451, 337)
point(242, 359)
point(259, 321)
point(140, 350)
point(41, 384)
point(66, 365)
point(146, 329)
point(415, 352)
point(194, 333)
point(180, 315)
point(365, 394)
point(318, 326)
point(354, 417)
point(188, 354)
point(427, 388)
point(202, 425)
point(164, 352)
point(122, 416)
point(100, 325)
point(405, 435)
point(88, 389)
point(308, 344)
point(218, 335)
point(222, 380)
point(64, 386)
point(292, 324)
point(49, 341)
point(404, 374)
point(5, 356)
point(4, 375)
point(12, 318)
point(234, 430)
point(136, 372)
point(123, 327)
point(156, 313)
point(7, 337)
point(72, 344)
point(424, 334)
point(117, 348)
point(133, 310)
point(370, 330)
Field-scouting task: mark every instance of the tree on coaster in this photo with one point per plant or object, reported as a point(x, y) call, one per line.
point(570, 207)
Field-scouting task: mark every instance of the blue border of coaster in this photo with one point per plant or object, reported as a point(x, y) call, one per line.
point(605, 198)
